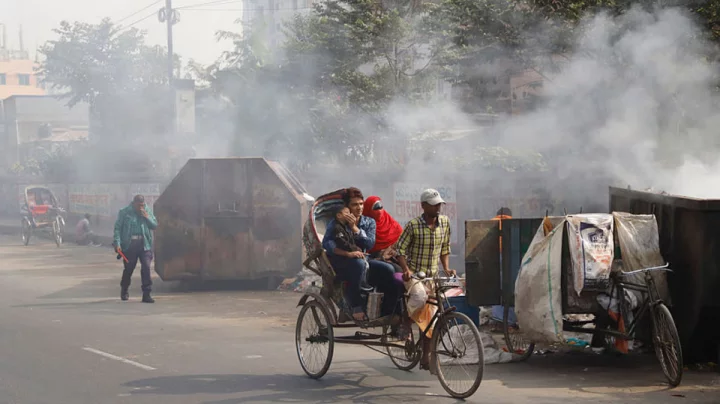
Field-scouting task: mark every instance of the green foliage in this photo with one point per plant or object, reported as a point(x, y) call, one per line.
point(112, 69)
point(89, 60)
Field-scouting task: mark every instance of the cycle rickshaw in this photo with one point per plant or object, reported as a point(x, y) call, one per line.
point(536, 273)
point(455, 340)
point(41, 210)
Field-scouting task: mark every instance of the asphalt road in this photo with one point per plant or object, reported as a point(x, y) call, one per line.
point(65, 337)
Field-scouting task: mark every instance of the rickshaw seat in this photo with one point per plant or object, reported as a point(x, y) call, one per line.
point(40, 209)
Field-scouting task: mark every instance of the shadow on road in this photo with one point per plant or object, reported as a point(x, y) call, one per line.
point(277, 388)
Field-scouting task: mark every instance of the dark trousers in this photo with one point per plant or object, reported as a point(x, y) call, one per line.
point(352, 271)
point(382, 276)
point(134, 253)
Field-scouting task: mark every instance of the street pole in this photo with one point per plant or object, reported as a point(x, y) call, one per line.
point(169, 22)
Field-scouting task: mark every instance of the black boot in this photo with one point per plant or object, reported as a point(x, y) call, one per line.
point(147, 298)
point(124, 295)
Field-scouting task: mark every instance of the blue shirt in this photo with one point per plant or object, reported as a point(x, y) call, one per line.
point(365, 239)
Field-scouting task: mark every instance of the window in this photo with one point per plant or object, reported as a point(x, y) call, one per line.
point(2, 79)
point(24, 79)
point(295, 4)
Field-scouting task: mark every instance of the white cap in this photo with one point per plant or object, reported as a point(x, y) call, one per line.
point(431, 196)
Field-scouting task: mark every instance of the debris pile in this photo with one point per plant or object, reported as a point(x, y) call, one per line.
point(304, 280)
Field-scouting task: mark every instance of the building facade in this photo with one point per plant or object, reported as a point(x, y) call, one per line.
point(35, 123)
point(17, 74)
point(268, 16)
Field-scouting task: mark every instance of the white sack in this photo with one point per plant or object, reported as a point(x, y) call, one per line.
point(538, 290)
point(640, 247)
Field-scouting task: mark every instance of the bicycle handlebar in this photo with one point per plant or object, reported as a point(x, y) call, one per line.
point(650, 269)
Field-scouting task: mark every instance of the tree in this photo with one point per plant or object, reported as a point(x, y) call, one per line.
point(89, 60)
point(123, 79)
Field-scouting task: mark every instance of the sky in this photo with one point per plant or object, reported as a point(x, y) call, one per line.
point(193, 35)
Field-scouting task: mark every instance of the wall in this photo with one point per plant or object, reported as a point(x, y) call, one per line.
point(102, 201)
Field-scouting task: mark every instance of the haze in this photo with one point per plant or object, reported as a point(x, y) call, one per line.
point(193, 35)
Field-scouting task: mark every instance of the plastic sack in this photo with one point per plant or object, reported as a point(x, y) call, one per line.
point(424, 316)
point(538, 291)
point(417, 296)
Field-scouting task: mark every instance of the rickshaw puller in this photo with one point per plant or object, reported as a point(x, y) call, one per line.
point(425, 241)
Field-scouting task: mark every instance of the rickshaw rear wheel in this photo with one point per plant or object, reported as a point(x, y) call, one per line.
point(514, 341)
point(314, 339)
point(667, 346)
point(406, 358)
point(456, 337)
point(26, 229)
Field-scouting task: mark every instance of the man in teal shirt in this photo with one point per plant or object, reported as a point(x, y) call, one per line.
point(133, 238)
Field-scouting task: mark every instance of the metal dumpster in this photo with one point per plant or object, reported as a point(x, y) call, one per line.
point(689, 239)
point(230, 219)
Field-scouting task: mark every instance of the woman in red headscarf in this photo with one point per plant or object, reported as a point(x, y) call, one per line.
point(388, 230)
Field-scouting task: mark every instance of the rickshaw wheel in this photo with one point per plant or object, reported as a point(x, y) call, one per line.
point(406, 358)
point(57, 232)
point(314, 339)
point(666, 342)
point(456, 338)
point(514, 340)
point(26, 231)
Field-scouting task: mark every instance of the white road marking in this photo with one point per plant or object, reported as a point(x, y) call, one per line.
point(253, 357)
point(119, 359)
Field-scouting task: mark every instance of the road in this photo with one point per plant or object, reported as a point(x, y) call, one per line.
point(65, 337)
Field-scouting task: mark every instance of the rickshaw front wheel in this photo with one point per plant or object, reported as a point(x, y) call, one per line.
point(57, 231)
point(666, 342)
point(457, 354)
point(314, 339)
point(26, 230)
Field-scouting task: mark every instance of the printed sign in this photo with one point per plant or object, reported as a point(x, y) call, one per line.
point(590, 240)
point(406, 205)
point(94, 199)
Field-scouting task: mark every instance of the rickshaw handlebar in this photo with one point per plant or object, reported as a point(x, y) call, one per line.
point(650, 269)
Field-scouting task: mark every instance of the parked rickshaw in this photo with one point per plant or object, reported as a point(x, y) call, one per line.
point(41, 211)
point(490, 283)
point(455, 340)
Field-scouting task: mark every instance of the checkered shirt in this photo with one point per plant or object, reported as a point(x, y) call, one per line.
point(422, 247)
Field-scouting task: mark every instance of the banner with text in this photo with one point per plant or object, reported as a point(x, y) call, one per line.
point(406, 205)
point(94, 199)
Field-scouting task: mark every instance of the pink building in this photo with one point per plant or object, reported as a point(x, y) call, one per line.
point(17, 75)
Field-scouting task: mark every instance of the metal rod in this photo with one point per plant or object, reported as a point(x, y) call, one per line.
point(341, 340)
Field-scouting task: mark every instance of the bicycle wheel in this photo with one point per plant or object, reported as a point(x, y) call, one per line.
point(667, 344)
point(314, 339)
point(457, 354)
point(408, 357)
point(515, 341)
point(26, 231)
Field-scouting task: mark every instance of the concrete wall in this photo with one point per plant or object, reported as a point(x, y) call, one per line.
point(101, 200)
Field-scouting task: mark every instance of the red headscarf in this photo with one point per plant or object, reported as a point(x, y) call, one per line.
point(388, 229)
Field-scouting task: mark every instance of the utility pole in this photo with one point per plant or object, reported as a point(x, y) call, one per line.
point(169, 19)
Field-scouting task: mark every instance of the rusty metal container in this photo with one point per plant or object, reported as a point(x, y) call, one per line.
point(690, 240)
point(230, 219)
